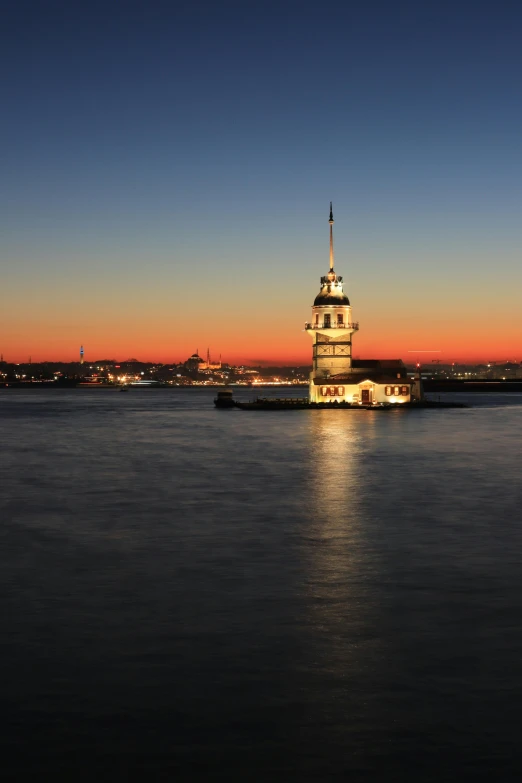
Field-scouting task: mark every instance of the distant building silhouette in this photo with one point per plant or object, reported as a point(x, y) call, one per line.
point(196, 364)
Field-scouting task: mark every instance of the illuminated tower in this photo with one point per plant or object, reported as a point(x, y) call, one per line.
point(331, 326)
point(81, 354)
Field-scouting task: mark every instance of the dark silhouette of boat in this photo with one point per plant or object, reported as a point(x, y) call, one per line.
point(224, 399)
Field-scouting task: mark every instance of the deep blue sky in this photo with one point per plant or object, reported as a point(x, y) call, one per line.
point(159, 158)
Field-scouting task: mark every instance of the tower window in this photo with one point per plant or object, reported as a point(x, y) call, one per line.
point(327, 320)
point(317, 318)
point(340, 318)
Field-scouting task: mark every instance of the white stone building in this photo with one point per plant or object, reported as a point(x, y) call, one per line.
point(335, 376)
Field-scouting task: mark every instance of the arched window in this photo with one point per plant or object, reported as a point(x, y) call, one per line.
point(332, 391)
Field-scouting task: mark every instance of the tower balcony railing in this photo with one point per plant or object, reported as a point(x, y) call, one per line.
point(336, 325)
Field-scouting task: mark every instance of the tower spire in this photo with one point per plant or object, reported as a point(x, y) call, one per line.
point(331, 221)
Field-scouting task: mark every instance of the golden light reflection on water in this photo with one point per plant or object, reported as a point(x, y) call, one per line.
point(338, 448)
point(338, 555)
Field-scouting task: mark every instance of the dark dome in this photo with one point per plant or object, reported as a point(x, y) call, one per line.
point(331, 298)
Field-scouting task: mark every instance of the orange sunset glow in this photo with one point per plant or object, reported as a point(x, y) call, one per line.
point(265, 324)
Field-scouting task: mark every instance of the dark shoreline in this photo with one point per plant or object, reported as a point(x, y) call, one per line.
point(470, 387)
point(430, 386)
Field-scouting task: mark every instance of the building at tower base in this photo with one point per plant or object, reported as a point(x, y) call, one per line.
point(335, 376)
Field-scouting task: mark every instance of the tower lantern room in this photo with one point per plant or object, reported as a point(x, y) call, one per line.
point(331, 327)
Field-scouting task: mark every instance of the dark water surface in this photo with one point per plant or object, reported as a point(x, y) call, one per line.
point(310, 595)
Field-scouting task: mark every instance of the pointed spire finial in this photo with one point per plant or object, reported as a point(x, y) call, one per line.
point(331, 221)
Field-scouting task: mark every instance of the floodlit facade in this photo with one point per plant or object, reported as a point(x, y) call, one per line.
point(335, 376)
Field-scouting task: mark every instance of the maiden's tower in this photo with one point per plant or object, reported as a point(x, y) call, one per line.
point(335, 375)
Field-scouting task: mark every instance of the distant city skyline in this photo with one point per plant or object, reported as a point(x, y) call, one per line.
point(410, 360)
point(168, 170)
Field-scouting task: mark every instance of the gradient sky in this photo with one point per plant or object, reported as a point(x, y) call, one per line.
point(166, 172)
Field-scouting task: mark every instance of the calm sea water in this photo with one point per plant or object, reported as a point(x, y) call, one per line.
point(190, 593)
